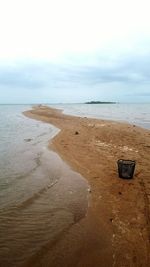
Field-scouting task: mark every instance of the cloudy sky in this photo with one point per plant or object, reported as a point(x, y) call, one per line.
point(54, 51)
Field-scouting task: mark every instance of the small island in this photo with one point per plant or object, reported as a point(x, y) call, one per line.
point(100, 102)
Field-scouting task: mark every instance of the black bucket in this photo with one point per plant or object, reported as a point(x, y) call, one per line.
point(126, 168)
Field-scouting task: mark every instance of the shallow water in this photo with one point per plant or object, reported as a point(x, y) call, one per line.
point(40, 196)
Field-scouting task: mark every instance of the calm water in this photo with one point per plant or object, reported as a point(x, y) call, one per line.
point(138, 114)
point(40, 196)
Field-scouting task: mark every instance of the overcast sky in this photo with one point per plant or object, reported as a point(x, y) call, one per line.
point(74, 51)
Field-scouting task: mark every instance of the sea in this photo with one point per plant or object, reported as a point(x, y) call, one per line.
point(41, 197)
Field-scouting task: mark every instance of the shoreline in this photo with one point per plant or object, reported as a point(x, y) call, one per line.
point(116, 230)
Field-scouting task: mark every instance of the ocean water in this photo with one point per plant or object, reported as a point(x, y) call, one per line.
point(40, 196)
point(138, 114)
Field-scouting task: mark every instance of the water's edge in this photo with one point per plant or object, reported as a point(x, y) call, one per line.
point(41, 196)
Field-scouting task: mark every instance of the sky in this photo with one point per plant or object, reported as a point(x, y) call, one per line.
point(71, 51)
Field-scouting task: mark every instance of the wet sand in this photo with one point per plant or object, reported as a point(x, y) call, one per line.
point(116, 229)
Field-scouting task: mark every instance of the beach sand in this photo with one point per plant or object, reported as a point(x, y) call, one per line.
point(116, 228)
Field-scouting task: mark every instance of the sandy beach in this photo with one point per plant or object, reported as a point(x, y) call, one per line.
point(116, 229)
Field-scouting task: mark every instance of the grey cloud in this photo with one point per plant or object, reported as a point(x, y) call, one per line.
point(122, 70)
point(33, 76)
point(18, 79)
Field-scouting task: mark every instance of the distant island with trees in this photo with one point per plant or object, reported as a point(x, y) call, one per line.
point(100, 102)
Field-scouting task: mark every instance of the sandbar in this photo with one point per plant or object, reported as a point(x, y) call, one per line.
point(116, 229)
